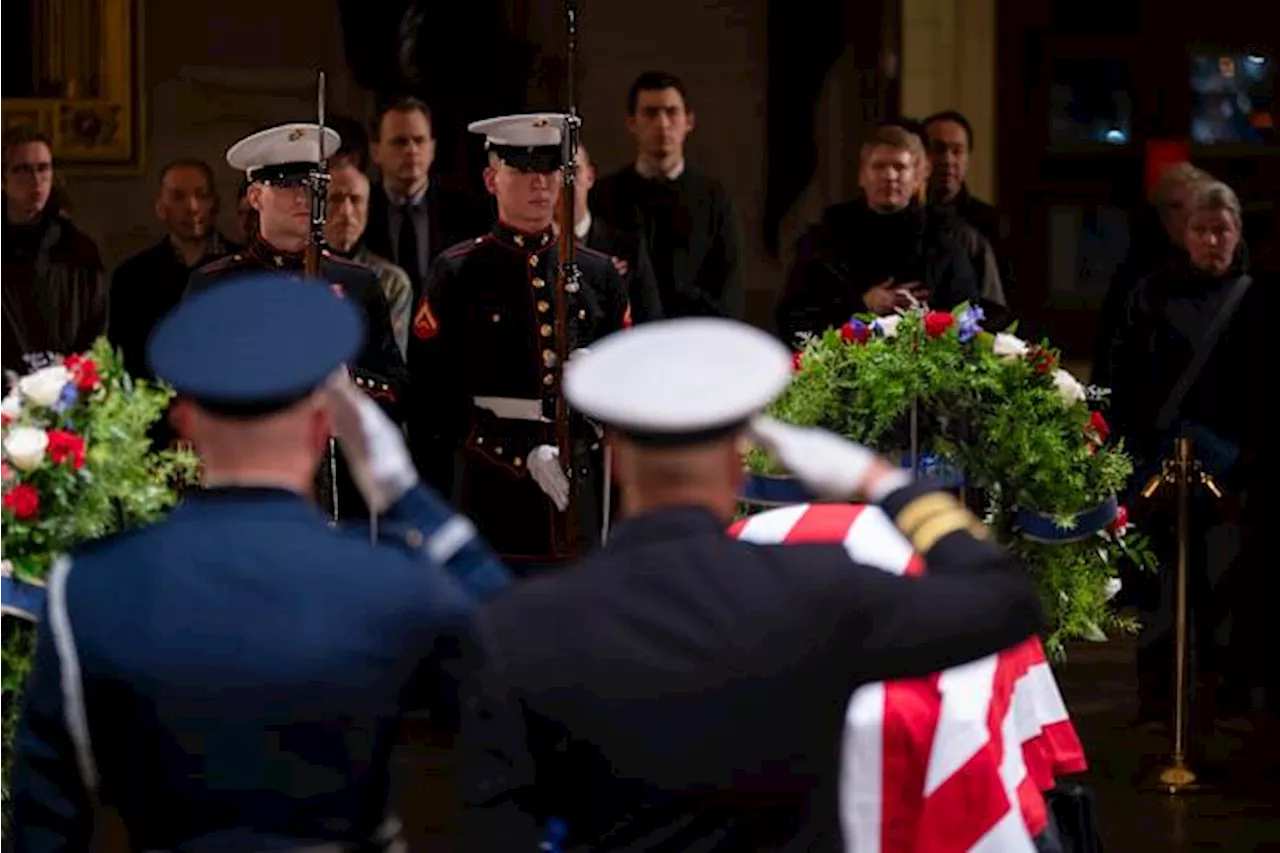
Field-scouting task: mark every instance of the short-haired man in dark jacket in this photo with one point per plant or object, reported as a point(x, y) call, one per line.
point(55, 289)
point(878, 253)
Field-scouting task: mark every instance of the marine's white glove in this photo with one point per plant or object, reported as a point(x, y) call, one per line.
point(544, 467)
point(374, 446)
point(831, 467)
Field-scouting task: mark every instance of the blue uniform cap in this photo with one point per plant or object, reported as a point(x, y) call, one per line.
point(253, 345)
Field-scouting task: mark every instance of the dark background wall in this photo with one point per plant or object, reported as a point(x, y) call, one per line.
point(214, 72)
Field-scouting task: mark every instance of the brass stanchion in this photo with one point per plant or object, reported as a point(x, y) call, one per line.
point(1180, 470)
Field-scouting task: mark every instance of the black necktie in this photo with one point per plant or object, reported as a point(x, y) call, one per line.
point(409, 247)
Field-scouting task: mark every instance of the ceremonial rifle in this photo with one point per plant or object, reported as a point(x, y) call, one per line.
point(568, 281)
point(318, 184)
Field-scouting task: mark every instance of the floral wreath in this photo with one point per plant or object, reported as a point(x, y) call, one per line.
point(992, 415)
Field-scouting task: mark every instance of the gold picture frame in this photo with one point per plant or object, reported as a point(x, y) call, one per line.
point(87, 67)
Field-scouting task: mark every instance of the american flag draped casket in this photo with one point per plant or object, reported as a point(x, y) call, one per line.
point(956, 761)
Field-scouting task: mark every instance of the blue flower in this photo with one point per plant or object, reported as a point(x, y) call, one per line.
point(67, 398)
point(969, 323)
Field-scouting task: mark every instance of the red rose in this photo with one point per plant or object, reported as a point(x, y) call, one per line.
point(23, 501)
point(84, 372)
point(66, 445)
point(797, 361)
point(1042, 361)
point(1121, 523)
point(936, 323)
point(4, 419)
point(4, 472)
point(1098, 428)
point(855, 332)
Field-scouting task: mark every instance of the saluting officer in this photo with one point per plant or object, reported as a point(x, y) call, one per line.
point(483, 357)
point(679, 689)
point(230, 678)
point(283, 167)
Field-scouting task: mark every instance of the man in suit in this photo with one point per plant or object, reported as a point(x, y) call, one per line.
point(413, 215)
point(630, 257)
point(232, 678)
point(680, 690)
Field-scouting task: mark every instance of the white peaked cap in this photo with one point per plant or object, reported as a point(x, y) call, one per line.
point(530, 130)
point(284, 144)
point(678, 378)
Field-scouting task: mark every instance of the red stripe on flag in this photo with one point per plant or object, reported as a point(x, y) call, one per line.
point(973, 800)
point(911, 711)
point(824, 523)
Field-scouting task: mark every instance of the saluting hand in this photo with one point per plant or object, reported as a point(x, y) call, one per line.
point(829, 466)
point(375, 448)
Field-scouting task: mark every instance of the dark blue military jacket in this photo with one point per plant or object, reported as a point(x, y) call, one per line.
point(231, 677)
point(379, 370)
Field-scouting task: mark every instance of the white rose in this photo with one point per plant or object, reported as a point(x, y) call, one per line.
point(1113, 588)
point(44, 387)
point(1009, 346)
point(888, 324)
point(1069, 387)
point(26, 446)
point(11, 405)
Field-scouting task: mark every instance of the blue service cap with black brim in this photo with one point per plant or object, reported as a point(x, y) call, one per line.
point(676, 383)
point(255, 345)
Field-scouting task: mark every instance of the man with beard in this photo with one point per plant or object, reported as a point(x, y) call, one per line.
point(281, 164)
point(485, 367)
point(879, 253)
point(55, 289)
point(148, 285)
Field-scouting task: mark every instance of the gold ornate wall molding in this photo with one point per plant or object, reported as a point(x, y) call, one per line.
point(86, 84)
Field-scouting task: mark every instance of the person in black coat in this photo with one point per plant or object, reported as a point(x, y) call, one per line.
point(680, 215)
point(1156, 242)
point(55, 291)
point(1167, 316)
point(629, 255)
point(682, 690)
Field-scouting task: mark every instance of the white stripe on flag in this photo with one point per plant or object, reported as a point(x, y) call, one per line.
point(772, 527)
point(862, 770)
point(962, 722)
point(1008, 836)
point(873, 540)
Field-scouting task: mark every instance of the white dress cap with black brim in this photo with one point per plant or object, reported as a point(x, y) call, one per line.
point(284, 152)
point(679, 382)
point(529, 142)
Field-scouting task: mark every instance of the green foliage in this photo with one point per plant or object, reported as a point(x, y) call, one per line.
point(122, 483)
point(999, 410)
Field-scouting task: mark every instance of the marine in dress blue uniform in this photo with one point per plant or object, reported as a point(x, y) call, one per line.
point(230, 678)
point(482, 354)
point(681, 690)
point(284, 158)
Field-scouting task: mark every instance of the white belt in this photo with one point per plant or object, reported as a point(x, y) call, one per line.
point(513, 408)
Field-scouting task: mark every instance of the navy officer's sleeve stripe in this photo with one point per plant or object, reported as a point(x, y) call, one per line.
point(73, 707)
point(450, 538)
